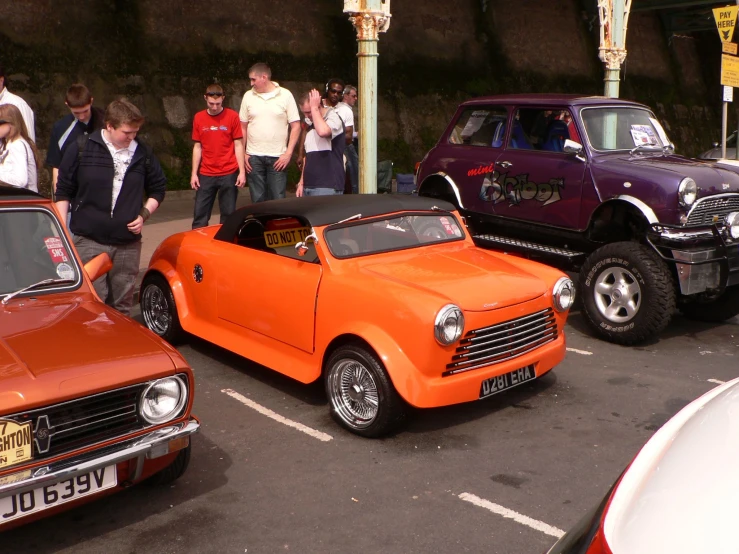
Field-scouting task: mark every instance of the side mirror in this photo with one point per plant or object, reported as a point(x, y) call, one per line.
point(572, 147)
point(98, 266)
point(302, 246)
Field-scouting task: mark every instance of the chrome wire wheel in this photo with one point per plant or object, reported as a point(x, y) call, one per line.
point(617, 294)
point(353, 393)
point(156, 309)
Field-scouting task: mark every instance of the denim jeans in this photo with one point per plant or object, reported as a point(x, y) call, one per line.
point(265, 182)
point(352, 166)
point(320, 192)
point(225, 187)
point(116, 287)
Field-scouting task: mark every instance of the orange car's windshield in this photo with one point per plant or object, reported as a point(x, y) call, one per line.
point(395, 233)
point(33, 249)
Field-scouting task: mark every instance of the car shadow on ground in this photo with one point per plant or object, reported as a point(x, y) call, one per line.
point(418, 420)
point(440, 419)
point(679, 326)
point(96, 519)
point(312, 393)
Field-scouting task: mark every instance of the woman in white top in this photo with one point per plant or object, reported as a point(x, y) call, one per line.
point(18, 154)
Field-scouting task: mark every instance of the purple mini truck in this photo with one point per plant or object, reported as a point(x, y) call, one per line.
point(592, 184)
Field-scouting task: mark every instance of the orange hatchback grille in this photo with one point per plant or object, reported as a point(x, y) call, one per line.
point(510, 339)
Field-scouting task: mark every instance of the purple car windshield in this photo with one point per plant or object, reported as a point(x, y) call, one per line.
point(623, 128)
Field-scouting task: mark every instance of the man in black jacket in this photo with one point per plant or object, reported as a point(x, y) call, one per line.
point(83, 119)
point(114, 184)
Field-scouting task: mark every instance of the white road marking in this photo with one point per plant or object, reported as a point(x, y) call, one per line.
point(716, 381)
point(510, 514)
point(277, 417)
point(583, 352)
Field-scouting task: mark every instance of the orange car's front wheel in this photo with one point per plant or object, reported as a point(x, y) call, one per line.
point(159, 309)
point(361, 395)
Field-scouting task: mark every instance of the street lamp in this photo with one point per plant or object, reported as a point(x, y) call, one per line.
point(369, 17)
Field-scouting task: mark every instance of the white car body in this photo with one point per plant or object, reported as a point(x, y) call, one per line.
point(679, 495)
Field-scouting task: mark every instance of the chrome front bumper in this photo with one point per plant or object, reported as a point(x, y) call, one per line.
point(149, 446)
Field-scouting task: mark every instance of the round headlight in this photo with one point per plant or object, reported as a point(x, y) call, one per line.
point(732, 224)
point(449, 324)
point(163, 400)
point(563, 294)
point(687, 192)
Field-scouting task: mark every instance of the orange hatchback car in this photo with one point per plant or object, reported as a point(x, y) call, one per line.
point(90, 401)
point(386, 298)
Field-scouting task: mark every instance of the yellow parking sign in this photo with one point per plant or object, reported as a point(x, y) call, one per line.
point(725, 21)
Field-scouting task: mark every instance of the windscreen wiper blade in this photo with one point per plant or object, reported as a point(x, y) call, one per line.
point(36, 285)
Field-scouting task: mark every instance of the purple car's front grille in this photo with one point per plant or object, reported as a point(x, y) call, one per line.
point(712, 209)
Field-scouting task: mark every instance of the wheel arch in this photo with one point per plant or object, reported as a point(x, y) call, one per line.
point(442, 186)
point(619, 219)
point(169, 274)
point(399, 368)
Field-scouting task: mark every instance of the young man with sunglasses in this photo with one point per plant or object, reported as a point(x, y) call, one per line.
point(217, 158)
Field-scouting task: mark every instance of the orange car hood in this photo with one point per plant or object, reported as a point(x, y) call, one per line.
point(475, 280)
point(51, 352)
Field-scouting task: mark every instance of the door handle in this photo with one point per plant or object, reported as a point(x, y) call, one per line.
point(504, 164)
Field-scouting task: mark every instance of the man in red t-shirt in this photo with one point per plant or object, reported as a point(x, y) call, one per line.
point(217, 158)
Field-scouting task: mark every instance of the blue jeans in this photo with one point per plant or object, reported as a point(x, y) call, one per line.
point(265, 182)
point(320, 192)
point(222, 185)
point(352, 166)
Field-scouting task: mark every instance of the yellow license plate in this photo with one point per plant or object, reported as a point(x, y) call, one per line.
point(286, 237)
point(15, 442)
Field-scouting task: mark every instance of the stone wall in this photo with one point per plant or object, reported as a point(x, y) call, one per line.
point(162, 54)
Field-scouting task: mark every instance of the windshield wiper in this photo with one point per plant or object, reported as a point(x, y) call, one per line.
point(36, 285)
point(642, 146)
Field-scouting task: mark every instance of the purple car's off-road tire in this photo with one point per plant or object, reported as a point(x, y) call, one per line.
point(628, 292)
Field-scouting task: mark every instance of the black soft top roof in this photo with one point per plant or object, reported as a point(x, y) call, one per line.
point(324, 210)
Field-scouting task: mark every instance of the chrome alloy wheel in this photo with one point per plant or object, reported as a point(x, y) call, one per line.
point(617, 294)
point(353, 393)
point(156, 309)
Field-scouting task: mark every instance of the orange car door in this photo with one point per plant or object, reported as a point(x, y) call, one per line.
point(269, 294)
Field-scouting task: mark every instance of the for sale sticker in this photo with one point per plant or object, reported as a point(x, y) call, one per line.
point(56, 249)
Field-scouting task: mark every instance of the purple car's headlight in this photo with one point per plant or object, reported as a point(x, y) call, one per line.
point(687, 192)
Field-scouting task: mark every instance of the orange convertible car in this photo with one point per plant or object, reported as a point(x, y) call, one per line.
point(384, 297)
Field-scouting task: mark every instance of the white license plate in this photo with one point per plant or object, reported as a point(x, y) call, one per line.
point(508, 380)
point(48, 496)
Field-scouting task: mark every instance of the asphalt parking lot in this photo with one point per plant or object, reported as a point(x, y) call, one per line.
point(271, 472)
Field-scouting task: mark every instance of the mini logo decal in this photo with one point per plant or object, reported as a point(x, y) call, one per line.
point(197, 273)
point(725, 186)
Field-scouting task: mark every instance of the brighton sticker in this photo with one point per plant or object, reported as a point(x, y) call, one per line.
point(65, 271)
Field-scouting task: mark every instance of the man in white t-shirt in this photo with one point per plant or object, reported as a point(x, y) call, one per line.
point(352, 158)
point(267, 112)
point(7, 97)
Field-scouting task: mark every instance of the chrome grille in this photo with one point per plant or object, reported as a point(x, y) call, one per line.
point(510, 339)
point(84, 422)
point(706, 209)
